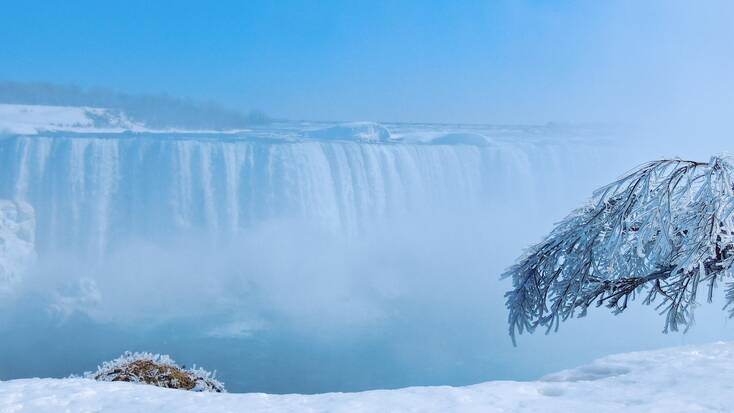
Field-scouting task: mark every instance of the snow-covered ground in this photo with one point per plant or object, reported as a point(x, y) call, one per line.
point(33, 119)
point(36, 119)
point(683, 379)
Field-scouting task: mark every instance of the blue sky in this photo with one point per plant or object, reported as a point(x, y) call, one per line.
point(452, 61)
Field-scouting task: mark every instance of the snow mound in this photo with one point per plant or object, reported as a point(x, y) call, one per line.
point(676, 380)
point(34, 119)
point(17, 233)
point(461, 138)
point(368, 132)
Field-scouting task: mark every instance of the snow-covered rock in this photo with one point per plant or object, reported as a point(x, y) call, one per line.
point(17, 234)
point(675, 380)
point(368, 132)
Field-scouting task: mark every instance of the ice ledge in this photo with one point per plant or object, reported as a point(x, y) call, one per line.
point(675, 380)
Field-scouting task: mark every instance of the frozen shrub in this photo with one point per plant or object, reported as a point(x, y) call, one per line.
point(157, 370)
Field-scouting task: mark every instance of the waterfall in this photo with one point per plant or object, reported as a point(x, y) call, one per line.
point(92, 193)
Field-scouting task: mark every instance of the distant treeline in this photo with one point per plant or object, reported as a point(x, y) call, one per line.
point(155, 111)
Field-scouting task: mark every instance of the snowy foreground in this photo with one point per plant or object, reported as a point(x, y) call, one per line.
point(684, 379)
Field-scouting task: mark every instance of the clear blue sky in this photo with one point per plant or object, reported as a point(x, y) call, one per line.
point(475, 61)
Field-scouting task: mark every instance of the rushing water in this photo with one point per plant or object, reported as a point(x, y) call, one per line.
point(94, 193)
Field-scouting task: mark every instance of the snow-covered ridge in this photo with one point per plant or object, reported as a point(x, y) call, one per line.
point(37, 119)
point(675, 380)
point(34, 119)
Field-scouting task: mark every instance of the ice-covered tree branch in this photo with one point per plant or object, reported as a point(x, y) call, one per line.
point(661, 232)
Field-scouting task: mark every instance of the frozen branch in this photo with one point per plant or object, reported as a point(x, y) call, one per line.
point(660, 231)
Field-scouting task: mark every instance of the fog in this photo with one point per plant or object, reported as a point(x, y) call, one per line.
point(292, 303)
point(289, 309)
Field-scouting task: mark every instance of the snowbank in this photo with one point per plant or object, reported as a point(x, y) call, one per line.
point(37, 119)
point(684, 379)
point(367, 132)
point(33, 119)
point(17, 233)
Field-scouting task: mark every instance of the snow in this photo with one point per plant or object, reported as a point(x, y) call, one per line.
point(683, 379)
point(17, 234)
point(34, 119)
